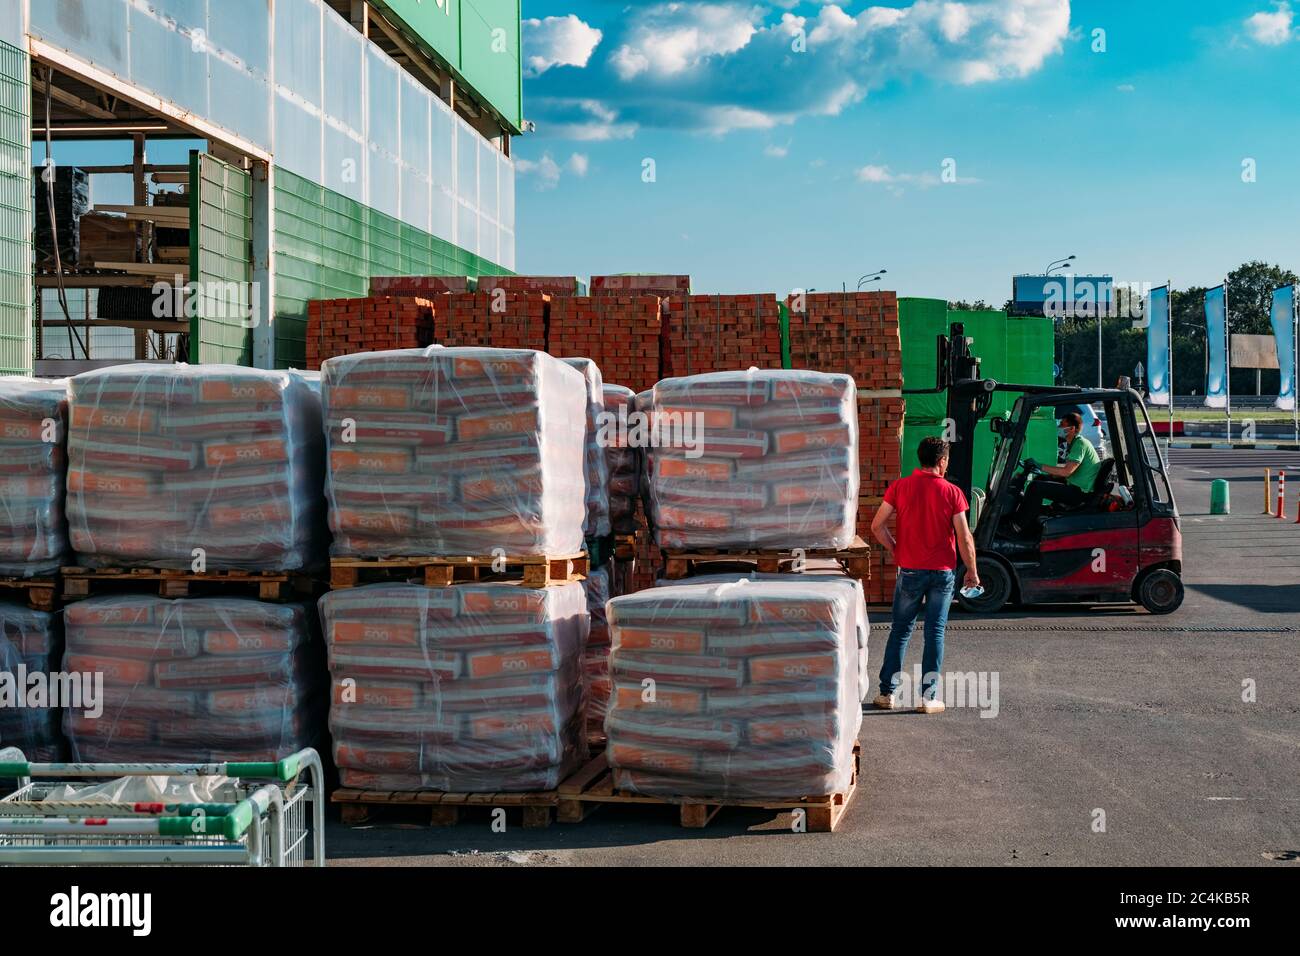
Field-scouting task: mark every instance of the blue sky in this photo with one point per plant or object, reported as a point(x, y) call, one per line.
point(777, 169)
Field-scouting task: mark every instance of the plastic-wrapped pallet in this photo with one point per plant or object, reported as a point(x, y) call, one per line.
point(595, 657)
point(195, 679)
point(853, 587)
point(757, 459)
point(33, 466)
point(475, 687)
point(597, 470)
point(446, 451)
point(30, 643)
point(621, 461)
point(167, 459)
point(740, 689)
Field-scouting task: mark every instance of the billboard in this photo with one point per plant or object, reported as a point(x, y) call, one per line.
point(1283, 317)
point(1063, 296)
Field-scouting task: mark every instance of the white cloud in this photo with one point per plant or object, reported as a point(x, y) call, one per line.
point(1271, 28)
point(721, 66)
point(1126, 87)
point(557, 41)
point(580, 119)
point(578, 164)
point(775, 151)
point(884, 176)
point(672, 38)
point(547, 172)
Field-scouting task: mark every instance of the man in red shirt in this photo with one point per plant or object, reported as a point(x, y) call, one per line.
point(931, 527)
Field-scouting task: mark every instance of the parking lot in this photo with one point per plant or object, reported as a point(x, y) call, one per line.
point(1120, 738)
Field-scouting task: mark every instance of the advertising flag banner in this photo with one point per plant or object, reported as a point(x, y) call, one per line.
point(1284, 330)
point(1216, 323)
point(1158, 356)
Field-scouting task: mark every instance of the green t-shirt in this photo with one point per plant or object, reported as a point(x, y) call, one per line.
point(1081, 450)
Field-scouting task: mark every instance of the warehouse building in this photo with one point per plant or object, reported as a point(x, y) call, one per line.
point(333, 140)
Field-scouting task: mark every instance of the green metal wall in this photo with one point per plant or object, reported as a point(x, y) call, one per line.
point(461, 33)
point(15, 213)
point(327, 246)
point(221, 234)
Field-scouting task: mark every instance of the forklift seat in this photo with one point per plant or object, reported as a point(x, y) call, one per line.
point(1101, 487)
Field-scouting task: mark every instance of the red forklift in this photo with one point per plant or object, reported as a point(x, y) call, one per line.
point(1121, 545)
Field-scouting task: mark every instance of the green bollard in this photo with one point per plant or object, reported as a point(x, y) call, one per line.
point(1220, 502)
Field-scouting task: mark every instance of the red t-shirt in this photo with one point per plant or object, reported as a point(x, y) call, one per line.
point(925, 503)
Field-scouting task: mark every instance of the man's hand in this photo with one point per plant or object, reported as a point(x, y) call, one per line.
point(972, 579)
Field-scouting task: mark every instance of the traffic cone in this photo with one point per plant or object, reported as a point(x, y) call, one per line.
point(1281, 494)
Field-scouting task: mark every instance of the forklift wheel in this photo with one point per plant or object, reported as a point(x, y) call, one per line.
point(997, 588)
point(1161, 591)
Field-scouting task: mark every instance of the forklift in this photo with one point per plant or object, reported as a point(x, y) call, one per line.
point(1122, 545)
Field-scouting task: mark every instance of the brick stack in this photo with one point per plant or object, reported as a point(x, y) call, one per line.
point(857, 333)
point(620, 333)
point(551, 285)
point(426, 287)
point(370, 324)
point(660, 285)
point(516, 320)
point(718, 333)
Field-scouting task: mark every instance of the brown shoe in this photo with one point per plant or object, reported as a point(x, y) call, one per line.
point(931, 706)
point(883, 702)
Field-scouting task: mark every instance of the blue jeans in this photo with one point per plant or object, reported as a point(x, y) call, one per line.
point(914, 588)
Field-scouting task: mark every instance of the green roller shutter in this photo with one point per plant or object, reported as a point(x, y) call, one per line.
point(221, 231)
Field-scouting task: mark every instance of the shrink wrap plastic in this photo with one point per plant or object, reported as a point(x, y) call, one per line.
point(623, 463)
point(770, 460)
point(165, 459)
point(30, 643)
point(33, 468)
point(596, 468)
point(195, 679)
point(462, 689)
point(456, 451)
point(595, 658)
point(735, 689)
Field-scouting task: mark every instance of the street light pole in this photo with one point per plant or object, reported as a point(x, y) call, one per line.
point(871, 277)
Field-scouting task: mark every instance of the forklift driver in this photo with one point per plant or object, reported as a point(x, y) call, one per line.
point(1079, 471)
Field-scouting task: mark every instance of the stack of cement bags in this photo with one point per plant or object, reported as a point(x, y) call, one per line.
point(30, 643)
point(597, 470)
point(469, 688)
point(622, 460)
point(735, 689)
point(194, 679)
point(448, 451)
point(757, 459)
point(169, 465)
point(33, 465)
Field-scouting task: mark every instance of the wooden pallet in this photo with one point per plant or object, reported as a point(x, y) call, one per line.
point(625, 546)
point(81, 583)
point(39, 594)
point(538, 571)
point(441, 809)
point(592, 786)
point(855, 560)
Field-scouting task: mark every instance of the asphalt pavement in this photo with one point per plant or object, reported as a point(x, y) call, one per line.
point(1120, 738)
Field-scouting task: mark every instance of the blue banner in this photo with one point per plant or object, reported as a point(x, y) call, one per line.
point(1158, 357)
point(1216, 339)
point(1283, 316)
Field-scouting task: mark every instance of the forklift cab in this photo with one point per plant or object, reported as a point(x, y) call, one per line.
point(1121, 544)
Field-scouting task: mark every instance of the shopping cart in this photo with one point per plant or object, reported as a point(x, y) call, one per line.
point(266, 826)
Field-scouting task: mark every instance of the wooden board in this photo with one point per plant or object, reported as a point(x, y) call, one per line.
point(81, 583)
point(594, 786)
point(855, 560)
point(536, 571)
point(176, 216)
point(38, 593)
point(439, 808)
point(143, 268)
